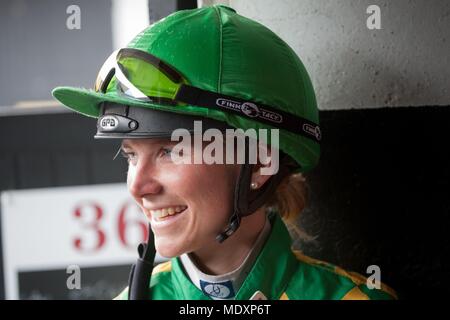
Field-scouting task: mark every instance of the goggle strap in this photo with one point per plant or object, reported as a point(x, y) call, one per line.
point(249, 109)
point(105, 82)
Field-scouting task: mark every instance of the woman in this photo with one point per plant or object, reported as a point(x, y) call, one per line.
point(207, 72)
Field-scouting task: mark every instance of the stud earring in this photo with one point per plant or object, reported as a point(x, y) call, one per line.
point(254, 185)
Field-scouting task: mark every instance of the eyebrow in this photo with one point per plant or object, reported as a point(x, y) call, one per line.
point(124, 145)
point(156, 141)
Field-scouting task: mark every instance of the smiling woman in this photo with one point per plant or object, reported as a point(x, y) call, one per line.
point(222, 224)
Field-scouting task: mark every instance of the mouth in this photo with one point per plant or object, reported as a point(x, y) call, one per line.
point(167, 213)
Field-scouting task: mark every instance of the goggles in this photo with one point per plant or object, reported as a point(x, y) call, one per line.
point(140, 75)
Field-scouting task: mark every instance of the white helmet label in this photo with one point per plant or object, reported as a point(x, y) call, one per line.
point(250, 109)
point(109, 123)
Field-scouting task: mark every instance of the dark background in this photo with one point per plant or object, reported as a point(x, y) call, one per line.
point(380, 195)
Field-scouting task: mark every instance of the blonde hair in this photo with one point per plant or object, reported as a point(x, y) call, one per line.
point(289, 200)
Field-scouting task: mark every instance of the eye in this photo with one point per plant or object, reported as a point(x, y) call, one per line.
point(128, 155)
point(166, 151)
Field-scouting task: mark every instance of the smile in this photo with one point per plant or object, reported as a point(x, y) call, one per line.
point(163, 213)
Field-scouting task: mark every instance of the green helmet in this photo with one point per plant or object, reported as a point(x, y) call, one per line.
point(219, 51)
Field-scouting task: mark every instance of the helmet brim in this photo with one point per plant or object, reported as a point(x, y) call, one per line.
point(155, 120)
point(88, 102)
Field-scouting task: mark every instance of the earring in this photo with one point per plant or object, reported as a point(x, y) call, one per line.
point(254, 185)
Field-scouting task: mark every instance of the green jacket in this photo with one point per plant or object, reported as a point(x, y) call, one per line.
point(279, 273)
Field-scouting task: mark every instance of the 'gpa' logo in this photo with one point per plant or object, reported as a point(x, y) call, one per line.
point(109, 123)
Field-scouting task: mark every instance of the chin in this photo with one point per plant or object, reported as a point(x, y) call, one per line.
point(168, 250)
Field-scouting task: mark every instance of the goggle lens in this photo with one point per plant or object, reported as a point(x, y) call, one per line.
point(148, 78)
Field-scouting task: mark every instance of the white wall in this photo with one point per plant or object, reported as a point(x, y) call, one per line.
point(406, 63)
point(128, 19)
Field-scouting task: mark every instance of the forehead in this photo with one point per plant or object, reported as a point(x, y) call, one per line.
point(130, 143)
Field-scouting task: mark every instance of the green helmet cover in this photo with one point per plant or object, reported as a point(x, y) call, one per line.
point(216, 49)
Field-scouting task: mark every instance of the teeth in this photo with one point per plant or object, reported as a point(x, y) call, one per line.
point(170, 211)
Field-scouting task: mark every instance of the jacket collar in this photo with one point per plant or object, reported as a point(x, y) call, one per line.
point(270, 274)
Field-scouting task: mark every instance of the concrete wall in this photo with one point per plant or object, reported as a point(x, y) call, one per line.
point(405, 63)
point(127, 21)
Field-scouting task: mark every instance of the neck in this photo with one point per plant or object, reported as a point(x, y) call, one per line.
point(220, 258)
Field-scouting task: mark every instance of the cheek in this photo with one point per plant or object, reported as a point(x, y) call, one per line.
point(208, 192)
point(211, 188)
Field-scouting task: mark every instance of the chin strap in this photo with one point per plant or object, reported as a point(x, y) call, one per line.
point(141, 271)
point(247, 201)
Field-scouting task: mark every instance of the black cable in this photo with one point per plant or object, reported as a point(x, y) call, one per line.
point(141, 271)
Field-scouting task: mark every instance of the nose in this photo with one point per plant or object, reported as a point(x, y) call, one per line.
point(142, 180)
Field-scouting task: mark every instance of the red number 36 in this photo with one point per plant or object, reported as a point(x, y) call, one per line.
point(91, 217)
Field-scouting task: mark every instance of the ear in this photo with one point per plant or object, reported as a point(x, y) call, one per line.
point(266, 167)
